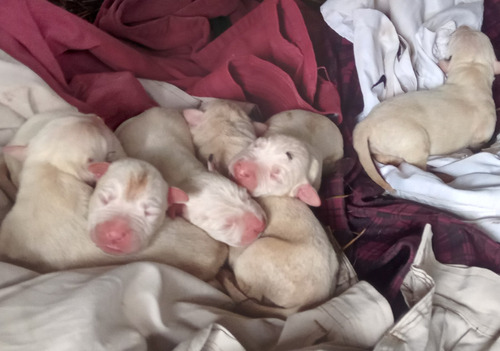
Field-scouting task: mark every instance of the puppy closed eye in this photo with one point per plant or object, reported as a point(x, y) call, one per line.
point(150, 210)
point(106, 197)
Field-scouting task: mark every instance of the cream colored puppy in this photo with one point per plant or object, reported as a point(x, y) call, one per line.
point(293, 264)
point(15, 147)
point(127, 219)
point(459, 114)
point(126, 222)
point(297, 149)
point(213, 127)
point(216, 204)
point(53, 193)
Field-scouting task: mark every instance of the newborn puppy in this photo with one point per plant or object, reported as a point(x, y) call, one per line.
point(292, 266)
point(57, 235)
point(214, 128)
point(459, 114)
point(298, 148)
point(217, 205)
point(127, 207)
point(53, 193)
point(127, 218)
point(15, 148)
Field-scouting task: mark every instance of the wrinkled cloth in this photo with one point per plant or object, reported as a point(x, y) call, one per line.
point(150, 306)
point(397, 44)
point(452, 307)
point(264, 57)
point(472, 193)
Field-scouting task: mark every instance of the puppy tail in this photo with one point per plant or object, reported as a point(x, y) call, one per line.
point(362, 147)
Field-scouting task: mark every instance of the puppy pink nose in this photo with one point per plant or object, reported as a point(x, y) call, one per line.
point(254, 226)
point(245, 175)
point(114, 236)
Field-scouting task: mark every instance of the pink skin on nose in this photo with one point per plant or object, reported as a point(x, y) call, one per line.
point(244, 173)
point(253, 228)
point(114, 236)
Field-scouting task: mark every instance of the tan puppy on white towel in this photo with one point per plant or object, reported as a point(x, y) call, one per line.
point(459, 114)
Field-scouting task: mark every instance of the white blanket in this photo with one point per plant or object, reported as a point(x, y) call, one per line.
point(148, 306)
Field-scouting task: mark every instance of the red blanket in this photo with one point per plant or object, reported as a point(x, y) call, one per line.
point(265, 57)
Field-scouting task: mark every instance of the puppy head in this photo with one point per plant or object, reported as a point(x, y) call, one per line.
point(224, 210)
point(218, 120)
point(72, 143)
point(127, 207)
point(470, 46)
point(277, 165)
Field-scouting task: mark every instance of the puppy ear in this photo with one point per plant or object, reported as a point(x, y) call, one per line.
point(176, 196)
point(307, 194)
point(98, 169)
point(193, 116)
point(16, 151)
point(496, 67)
point(260, 128)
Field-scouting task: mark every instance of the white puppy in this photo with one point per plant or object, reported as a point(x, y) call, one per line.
point(298, 148)
point(14, 153)
point(459, 114)
point(130, 193)
point(293, 264)
point(221, 143)
point(217, 205)
point(53, 192)
point(127, 217)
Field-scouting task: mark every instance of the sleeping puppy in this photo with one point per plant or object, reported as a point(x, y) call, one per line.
point(213, 127)
point(127, 219)
point(297, 149)
point(15, 147)
point(53, 192)
point(459, 114)
point(47, 229)
point(292, 265)
point(217, 205)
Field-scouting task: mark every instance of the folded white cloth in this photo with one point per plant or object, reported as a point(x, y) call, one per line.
point(452, 307)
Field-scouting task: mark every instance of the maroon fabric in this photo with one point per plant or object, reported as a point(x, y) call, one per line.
point(265, 57)
point(393, 227)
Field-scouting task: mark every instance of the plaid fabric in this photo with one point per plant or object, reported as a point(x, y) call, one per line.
point(392, 227)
